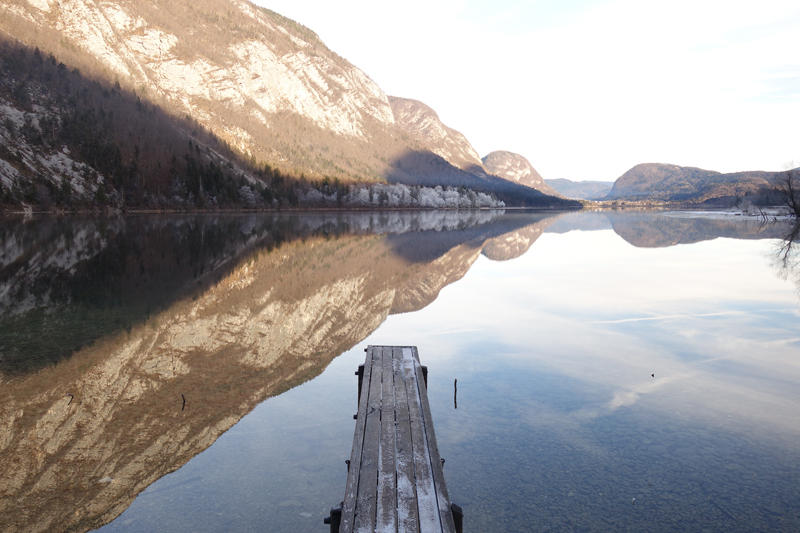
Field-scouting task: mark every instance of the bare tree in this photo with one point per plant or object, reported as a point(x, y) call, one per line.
point(789, 189)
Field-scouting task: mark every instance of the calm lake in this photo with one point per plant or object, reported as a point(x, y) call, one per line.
point(617, 371)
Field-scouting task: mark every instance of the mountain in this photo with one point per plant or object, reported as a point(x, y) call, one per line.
point(260, 82)
point(422, 124)
point(227, 93)
point(673, 183)
point(516, 169)
point(582, 190)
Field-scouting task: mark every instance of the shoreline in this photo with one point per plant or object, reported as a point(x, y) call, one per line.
point(109, 212)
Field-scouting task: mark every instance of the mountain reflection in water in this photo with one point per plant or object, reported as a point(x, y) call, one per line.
point(107, 325)
point(223, 311)
point(80, 279)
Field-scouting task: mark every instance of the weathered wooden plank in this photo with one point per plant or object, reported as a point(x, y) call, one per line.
point(366, 505)
point(351, 490)
point(386, 517)
point(427, 502)
point(407, 512)
point(443, 498)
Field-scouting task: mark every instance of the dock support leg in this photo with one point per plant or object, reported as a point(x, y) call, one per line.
point(360, 374)
point(335, 519)
point(458, 517)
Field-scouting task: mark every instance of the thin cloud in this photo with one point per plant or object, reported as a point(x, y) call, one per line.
point(666, 317)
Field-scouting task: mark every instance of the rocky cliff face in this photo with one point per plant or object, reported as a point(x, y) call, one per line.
point(515, 168)
point(262, 84)
point(422, 124)
point(80, 439)
point(233, 66)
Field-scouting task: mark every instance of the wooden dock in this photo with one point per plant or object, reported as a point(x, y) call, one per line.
point(395, 480)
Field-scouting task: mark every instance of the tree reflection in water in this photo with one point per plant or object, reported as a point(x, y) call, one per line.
point(786, 256)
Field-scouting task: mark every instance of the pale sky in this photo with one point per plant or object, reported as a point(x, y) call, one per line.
point(586, 89)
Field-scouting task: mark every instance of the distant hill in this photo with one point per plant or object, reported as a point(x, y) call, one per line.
point(582, 190)
point(673, 183)
point(516, 169)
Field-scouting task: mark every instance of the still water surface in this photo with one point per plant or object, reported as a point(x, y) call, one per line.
point(600, 358)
